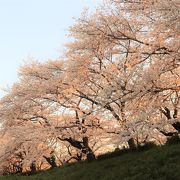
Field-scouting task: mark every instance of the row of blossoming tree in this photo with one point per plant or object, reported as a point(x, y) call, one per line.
point(118, 83)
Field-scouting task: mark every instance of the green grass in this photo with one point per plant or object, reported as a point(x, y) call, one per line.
point(161, 163)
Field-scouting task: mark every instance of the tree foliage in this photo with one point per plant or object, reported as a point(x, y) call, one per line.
point(118, 82)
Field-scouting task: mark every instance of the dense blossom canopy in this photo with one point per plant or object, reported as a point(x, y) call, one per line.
point(118, 84)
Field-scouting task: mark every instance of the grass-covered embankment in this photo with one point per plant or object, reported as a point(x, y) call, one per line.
point(161, 163)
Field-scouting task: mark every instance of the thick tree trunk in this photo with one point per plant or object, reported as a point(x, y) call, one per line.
point(83, 146)
point(132, 144)
point(87, 150)
point(51, 161)
point(90, 156)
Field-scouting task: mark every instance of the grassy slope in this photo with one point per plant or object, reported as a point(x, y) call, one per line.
point(156, 163)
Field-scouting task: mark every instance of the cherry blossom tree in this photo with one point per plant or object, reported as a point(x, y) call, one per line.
point(118, 80)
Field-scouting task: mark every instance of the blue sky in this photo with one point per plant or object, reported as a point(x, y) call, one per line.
point(34, 29)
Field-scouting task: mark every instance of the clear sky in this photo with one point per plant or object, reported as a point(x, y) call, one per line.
point(34, 29)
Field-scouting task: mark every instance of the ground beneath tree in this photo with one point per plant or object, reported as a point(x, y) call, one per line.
point(156, 163)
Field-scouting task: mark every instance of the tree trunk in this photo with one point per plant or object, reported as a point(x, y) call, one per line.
point(87, 150)
point(176, 126)
point(33, 167)
point(132, 144)
point(90, 156)
point(51, 161)
point(167, 113)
